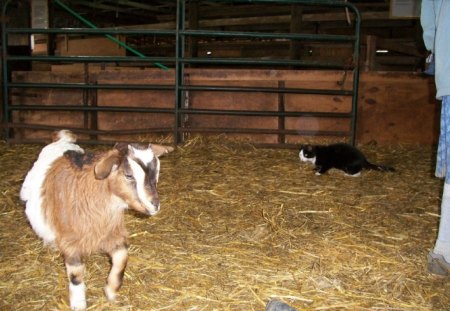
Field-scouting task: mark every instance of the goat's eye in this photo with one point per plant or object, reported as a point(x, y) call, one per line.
point(129, 177)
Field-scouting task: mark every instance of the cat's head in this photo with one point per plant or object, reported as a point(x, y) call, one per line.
point(307, 153)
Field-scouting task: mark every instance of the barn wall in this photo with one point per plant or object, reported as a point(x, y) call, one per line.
point(398, 108)
point(96, 46)
point(393, 107)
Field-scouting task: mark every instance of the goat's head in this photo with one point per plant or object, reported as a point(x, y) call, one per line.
point(132, 171)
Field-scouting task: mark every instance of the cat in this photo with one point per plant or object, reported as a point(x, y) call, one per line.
point(340, 156)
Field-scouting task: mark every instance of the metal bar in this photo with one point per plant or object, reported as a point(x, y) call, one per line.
point(89, 131)
point(226, 61)
point(267, 113)
point(89, 108)
point(249, 61)
point(179, 69)
point(90, 31)
point(165, 87)
point(44, 85)
point(251, 113)
point(113, 39)
point(5, 76)
point(356, 76)
point(193, 33)
point(214, 88)
point(92, 59)
point(169, 129)
point(267, 35)
point(265, 131)
point(337, 3)
point(210, 61)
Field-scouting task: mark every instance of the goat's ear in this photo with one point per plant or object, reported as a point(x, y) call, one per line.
point(160, 150)
point(55, 136)
point(106, 165)
point(122, 148)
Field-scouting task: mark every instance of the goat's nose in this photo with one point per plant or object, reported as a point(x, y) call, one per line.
point(156, 203)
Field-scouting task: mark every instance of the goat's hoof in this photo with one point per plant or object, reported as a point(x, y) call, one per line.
point(78, 306)
point(110, 294)
point(78, 297)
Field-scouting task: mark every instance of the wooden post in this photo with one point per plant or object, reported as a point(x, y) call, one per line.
point(192, 50)
point(371, 50)
point(296, 46)
point(281, 119)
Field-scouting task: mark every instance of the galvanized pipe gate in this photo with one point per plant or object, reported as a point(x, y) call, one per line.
point(178, 64)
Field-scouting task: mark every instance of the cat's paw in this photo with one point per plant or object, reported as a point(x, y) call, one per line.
point(353, 175)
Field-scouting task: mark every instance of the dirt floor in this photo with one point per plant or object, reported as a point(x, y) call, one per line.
point(240, 226)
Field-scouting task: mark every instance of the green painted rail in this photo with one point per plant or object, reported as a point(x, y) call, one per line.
point(177, 65)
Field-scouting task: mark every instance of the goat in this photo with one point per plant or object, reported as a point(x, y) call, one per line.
point(81, 200)
point(63, 141)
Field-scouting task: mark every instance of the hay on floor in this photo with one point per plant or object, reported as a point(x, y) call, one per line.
point(240, 226)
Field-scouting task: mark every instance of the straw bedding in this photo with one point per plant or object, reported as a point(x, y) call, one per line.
point(239, 226)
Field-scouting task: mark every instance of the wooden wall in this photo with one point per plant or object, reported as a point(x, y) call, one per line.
point(398, 108)
point(393, 107)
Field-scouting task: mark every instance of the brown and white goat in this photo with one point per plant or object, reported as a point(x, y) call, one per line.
point(81, 204)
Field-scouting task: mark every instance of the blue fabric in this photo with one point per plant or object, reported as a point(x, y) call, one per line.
point(430, 68)
point(443, 151)
point(435, 20)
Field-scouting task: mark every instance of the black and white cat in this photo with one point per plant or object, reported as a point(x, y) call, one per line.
point(340, 156)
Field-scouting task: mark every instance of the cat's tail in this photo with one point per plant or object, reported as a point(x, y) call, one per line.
point(378, 167)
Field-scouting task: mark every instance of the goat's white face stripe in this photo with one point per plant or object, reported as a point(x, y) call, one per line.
point(146, 157)
point(157, 169)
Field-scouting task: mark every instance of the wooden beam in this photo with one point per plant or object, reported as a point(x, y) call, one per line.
point(371, 48)
point(295, 49)
point(397, 60)
point(192, 49)
point(264, 20)
point(138, 5)
point(96, 5)
point(399, 46)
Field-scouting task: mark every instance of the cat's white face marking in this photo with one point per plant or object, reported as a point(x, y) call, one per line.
point(305, 159)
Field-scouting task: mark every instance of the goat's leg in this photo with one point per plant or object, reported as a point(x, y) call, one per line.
point(75, 271)
point(119, 258)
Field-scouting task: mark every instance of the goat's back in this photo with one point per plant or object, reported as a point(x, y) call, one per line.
point(80, 208)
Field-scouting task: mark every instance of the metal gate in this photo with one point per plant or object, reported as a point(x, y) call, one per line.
point(181, 86)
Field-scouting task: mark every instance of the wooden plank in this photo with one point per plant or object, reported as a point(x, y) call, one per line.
point(393, 107)
point(399, 109)
point(408, 48)
point(46, 97)
point(92, 46)
point(108, 121)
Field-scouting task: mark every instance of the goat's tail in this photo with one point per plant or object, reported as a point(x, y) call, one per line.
point(378, 167)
